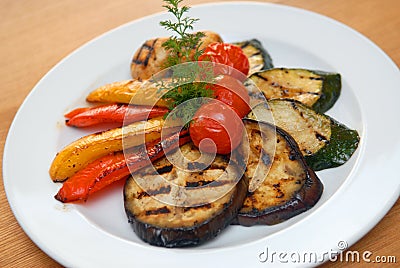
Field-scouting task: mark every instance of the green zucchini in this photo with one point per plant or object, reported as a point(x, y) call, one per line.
point(259, 58)
point(324, 142)
point(316, 89)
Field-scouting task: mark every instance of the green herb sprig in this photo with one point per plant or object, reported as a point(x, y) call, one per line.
point(183, 47)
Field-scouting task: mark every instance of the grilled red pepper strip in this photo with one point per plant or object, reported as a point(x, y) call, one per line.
point(114, 167)
point(112, 113)
point(76, 111)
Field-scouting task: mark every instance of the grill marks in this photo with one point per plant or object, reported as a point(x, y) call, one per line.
point(162, 210)
point(303, 85)
point(146, 50)
point(280, 183)
point(164, 169)
point(164, 222)
point(245, 45)
point(285, 91)
point(205, 206)
point(162, 190)
point(258, 57)
point(282, 193)
point(318, 135)
point(197, 182)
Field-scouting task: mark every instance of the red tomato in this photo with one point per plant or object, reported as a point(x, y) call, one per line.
point(232, 92)
point(219, 126)
point(226, 54)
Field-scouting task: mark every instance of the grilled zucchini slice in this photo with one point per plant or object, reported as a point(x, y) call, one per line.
point(316, 89)
point(159, 217)
point(259, 58)
point(323, 141)
point(289, 188)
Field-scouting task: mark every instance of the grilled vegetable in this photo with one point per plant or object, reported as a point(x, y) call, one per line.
point(168, 216)
point(151, 57)
point(226, 54)
point(233, 93)
point(259, 58)
point(115, 166)
point(342, 144)
point(216, 128)
point(81, 152)
point(112, 113)
point(323, 141)
point(316, 89)
point(286, 186)
point(129, 92)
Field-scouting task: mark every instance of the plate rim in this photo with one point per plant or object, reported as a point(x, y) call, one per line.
point(7, 145)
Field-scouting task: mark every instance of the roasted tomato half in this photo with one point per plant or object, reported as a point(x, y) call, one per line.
point(216, 128)
point(228, 55)
point(232, 92)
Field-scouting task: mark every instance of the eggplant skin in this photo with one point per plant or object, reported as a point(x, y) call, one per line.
point(194, 235)
point(211, 201)
point(301, 201)
point(305, 199)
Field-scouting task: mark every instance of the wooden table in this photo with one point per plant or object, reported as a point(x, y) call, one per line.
point(35, 35)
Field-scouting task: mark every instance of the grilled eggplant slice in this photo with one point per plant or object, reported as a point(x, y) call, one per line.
point(171, 216)
point(316, 89)
point(259, 58)
point(323, 141)
point(288, 189)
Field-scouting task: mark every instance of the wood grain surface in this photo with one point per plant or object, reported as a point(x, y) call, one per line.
point(36, 34)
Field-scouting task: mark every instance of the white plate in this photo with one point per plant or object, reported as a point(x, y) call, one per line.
point(357, 195)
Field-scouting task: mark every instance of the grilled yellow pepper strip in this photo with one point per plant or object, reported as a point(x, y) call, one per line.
point(87, 149)
point(129, 91)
